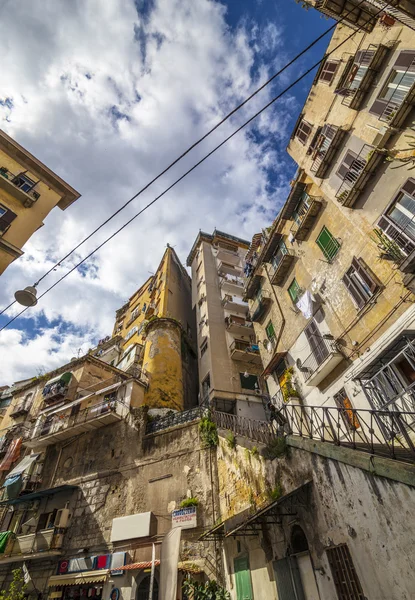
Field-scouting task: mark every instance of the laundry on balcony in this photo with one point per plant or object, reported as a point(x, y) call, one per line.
point(56, 387)
point(305, 304)
point(12, 454)
point(4, 538)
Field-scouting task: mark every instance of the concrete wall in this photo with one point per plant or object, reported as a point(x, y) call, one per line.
point(347, 505)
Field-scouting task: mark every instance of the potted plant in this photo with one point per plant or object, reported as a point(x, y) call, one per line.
point(289, 391)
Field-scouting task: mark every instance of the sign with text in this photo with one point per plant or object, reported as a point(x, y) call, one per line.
point(185, 518)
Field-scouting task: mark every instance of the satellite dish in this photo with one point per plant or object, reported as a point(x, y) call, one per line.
point(26, 297)
point(299, 363)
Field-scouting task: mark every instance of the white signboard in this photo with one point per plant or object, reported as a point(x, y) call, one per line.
point(184, 517)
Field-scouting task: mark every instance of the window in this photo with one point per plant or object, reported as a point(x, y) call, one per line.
point(5, 402)
point(198, 267)
point(249, 382)
point(303, 131)
point(294, 290)
point(135, 313)
point(360, 283)
point(327, 243)
point(398, 84)
point(203, 348)
point(344, 574)
point(270, 331)
point(398, 222)
point(328, 71)
point(349, 417)
point(206, 387)
point(24, 182)
point(6, 217)
point(131, 333)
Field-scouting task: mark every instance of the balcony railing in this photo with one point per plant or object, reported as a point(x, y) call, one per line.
point(230, 283)
point(401, 249)
point(57, 392)
point(322, 360)
point(280, 264)
point(399, 105)
point(362, 74)
point(326, 147)
point(43, 542)
point(19, 186)
point(395, 12)
point(259, 431)
point(244, 351)
point(358, 16)
point(358, 174)
point(20, 410)
point(380, 433)
point(260, 308)
point(186, 416)
point(228, 256)
point(238, 325)
point(229, 303)
point(304, 216)
point(68, 423)
point(228, 269)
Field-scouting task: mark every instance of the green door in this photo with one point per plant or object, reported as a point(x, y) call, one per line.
point(243, 579)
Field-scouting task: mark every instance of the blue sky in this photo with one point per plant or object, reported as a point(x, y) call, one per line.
point(107, 95)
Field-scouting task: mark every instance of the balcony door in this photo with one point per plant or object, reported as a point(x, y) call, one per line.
point(316, 341)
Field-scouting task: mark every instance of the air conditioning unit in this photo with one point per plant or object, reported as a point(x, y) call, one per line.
point(62, 518)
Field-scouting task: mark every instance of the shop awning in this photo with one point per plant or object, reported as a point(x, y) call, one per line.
point(78, 578)
point(35, 495)
point(136, 566)
point(24, 465)
point(63, 377)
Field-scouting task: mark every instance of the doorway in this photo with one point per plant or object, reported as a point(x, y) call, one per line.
point(143, 589)
point(243, 578)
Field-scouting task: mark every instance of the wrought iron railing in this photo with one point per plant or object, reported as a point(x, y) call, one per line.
point(354, 172)
point(259, 431)
point(305, 209)
point(384, 432)
point(244, 346)
point(402, 242)
point(323, 146)
point(358, 75)
point(394, 11)
point(159, 424)
point(403, 88)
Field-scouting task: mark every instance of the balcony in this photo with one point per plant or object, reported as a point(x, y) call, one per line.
point(244, 351)
point(19, 186)
point(361, 74)
point(342, 9)
point(232, 305)
point(69, 423)
point(57, 388)
point(281, 264)
point(260, 307)
point(20, 410)
point(228, 256)
point(239, 326)
point(233, 285)
point(42, 544)
point(326, 147)
point(358, 174)
point(304, 217)
point(228, 269)
point(321, 362)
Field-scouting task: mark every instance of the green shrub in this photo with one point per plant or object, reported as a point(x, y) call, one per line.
point(231, 440)
point(16, 589)
point(276, 448)
point(255, 452)
point(208, 431)
point(277, 492)
point(210, 590)
point(189, 502)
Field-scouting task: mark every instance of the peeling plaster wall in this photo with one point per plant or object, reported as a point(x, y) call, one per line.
point(372, 515)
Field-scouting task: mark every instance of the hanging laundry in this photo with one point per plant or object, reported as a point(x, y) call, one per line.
point(305, 304)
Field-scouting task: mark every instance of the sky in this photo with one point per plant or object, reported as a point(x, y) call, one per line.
point(107, 94)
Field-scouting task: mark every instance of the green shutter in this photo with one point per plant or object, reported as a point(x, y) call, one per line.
point(270, 331)
point(243, 579)
point(294, 290)
point(328, 244)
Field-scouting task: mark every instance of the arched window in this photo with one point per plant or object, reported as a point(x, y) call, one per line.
point(144, 588)
point(298, 540)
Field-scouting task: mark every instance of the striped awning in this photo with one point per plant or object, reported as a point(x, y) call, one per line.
point(78, 578)
point(136, 566)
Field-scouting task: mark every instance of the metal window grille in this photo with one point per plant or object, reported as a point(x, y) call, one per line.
point(327, 243)
point(345, 578)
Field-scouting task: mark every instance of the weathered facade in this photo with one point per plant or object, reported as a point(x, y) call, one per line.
point(28, 192)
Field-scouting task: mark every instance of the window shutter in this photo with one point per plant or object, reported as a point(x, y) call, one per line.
point(363, 271)
point(409, 187)
point(352, 290)
point(378, 107)
point(328, 72)
point(405, 60)
point(6, 219)
point(347, 162)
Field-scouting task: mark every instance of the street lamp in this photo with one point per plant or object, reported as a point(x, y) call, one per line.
point(26, 297)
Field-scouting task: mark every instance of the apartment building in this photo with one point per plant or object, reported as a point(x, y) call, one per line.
point(28, 192)
point(228, 355)
point(155, 331)
point(97, 466)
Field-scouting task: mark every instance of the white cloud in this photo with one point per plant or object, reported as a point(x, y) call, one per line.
point(70, 69)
